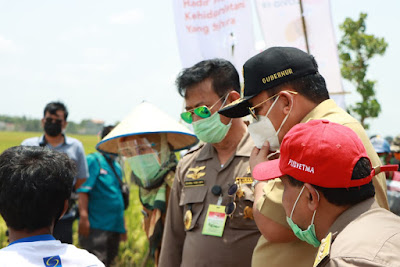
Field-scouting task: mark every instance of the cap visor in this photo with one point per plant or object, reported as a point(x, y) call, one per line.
point(236, 109)
point(267, 170)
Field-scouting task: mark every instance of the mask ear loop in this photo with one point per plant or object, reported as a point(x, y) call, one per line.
point(315, 211)
point(223, 104)
point(273, 104)
point(284, 120)
point(295, 203)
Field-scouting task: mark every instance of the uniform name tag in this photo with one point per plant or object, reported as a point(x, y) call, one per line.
point(244, 180)
point(214, 224)
point(194, 183)
point(323, 250)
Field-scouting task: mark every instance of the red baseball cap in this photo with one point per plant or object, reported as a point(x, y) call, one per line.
point(320, 153)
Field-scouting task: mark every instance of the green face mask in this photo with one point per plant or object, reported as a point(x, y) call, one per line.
point(211, 129)
point(307, 235)
point(145, 167)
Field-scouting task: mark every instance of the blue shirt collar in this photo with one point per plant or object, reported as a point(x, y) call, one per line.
point(43, 141)
point(33, 239)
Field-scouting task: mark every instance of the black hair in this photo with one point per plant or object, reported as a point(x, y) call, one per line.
point(53, 107)
point(347, 196)
point(106, 130)
point(312, 87)
point(222, 73)
point(34, 184)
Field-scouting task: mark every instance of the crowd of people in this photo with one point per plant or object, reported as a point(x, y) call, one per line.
point(281, 176)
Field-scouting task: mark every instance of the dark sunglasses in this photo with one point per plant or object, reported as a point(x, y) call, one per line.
point(231, 206)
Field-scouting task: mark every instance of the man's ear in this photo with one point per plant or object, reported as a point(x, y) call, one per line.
point(312, 196)
point(287, 101)
point(233, 96)
point(64, 125)
point(43, 122)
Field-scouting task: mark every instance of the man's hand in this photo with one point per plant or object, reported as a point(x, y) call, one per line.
point(123, 237)
point(84, 226)
point(259, 155)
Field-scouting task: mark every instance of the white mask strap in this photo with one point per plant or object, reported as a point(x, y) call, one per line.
point(295, 203)
point(284, 120)
point(273, 104)
point(223, 104)
point(312, 220)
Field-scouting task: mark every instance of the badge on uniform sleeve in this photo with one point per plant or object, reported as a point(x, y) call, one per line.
point(187, 220)
point(214, 224)
point(323, 250)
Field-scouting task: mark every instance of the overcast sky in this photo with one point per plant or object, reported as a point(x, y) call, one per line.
point(102, 58)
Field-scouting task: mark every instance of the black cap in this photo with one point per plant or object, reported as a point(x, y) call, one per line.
point(270, 68)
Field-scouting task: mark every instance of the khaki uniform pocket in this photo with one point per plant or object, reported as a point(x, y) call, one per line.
point(192, 198)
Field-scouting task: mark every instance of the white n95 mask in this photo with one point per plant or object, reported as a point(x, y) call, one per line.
point(263, 130)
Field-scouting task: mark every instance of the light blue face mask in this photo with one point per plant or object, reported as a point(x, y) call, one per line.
point(211, 129)
point(307, 235)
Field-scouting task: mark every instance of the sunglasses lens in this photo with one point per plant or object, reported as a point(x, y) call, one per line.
point(202, 112)
point(230, 208)
point(232, 189)
point(187, 117)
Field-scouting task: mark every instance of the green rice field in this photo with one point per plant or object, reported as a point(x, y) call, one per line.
point(134, 250)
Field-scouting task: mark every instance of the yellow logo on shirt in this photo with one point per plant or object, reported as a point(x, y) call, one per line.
point(195, 173)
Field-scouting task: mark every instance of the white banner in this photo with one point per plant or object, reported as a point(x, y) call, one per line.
point(281, 25)
point(208, 29)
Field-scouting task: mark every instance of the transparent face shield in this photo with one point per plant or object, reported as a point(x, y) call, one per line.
point(145, 157)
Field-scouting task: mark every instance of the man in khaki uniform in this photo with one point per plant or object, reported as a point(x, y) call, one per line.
point(209, 217)
point(328, 192)
point(283, 88)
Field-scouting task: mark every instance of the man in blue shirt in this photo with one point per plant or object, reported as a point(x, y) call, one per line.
point(101, 206)
point(54, 123)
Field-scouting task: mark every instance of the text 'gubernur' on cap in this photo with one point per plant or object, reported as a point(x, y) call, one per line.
point(268, 69)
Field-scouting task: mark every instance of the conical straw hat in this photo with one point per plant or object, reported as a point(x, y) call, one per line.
point(148, 119)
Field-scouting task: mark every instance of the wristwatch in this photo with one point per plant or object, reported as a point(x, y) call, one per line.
point(253, 184)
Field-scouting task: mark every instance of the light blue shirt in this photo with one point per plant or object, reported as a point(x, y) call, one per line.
point(71, 146)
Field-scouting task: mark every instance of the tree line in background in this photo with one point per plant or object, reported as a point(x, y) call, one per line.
point(24, 124)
